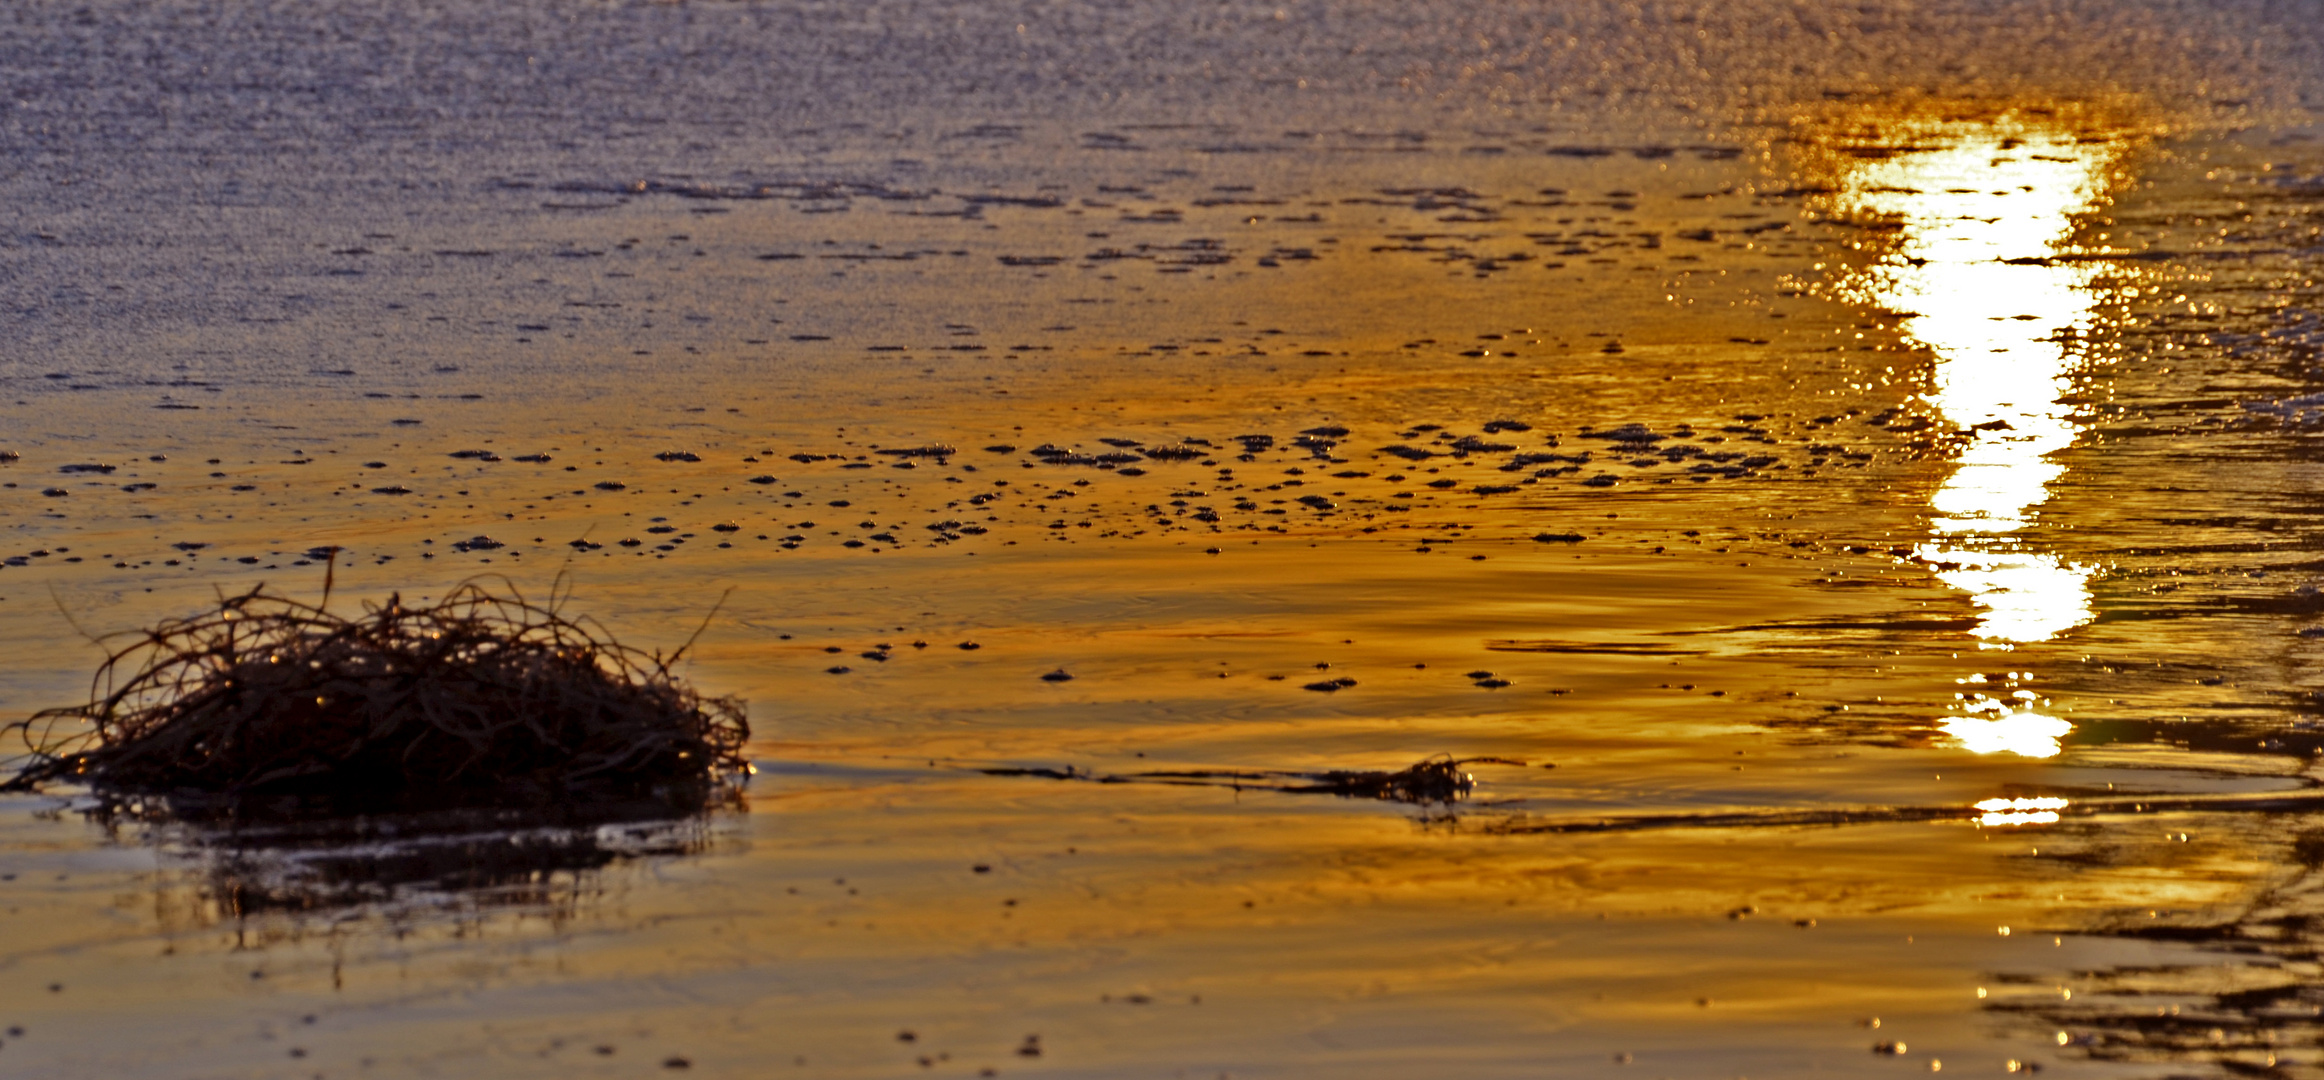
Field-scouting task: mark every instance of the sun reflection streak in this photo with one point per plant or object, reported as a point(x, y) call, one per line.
point(2038, 817)
point(2023, 732)
point(2039, 802)
point(1981, 210)
point(2041, 810)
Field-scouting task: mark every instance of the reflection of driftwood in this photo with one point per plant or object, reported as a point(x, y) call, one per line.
point(479, 698)
point(1439, 779)
point(463, 859)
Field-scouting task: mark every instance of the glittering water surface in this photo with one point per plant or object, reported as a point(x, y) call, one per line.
point(1839, 477)
point(1981, 207)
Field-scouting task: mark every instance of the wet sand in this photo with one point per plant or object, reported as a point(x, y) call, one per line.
point(1856, 517)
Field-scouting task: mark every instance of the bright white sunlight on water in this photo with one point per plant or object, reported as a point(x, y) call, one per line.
point(1977, 221)
point(1980, 272)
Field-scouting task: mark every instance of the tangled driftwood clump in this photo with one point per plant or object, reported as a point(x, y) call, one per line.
point(480, 698)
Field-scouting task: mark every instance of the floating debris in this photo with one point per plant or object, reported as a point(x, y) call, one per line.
point(1438, 779)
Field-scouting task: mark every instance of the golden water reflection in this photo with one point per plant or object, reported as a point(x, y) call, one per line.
point(1974, 223)
point(2041, 810)
point(2018, 731)
point(1981, 209)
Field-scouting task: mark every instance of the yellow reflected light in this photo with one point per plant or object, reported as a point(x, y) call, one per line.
point(1991, 725)
point(2039, 802)
point(2039, 817)
point(2023, 732)
point(2034, 811)
point(1978, 212)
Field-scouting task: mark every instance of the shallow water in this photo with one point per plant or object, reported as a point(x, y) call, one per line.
point(1847, 468)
